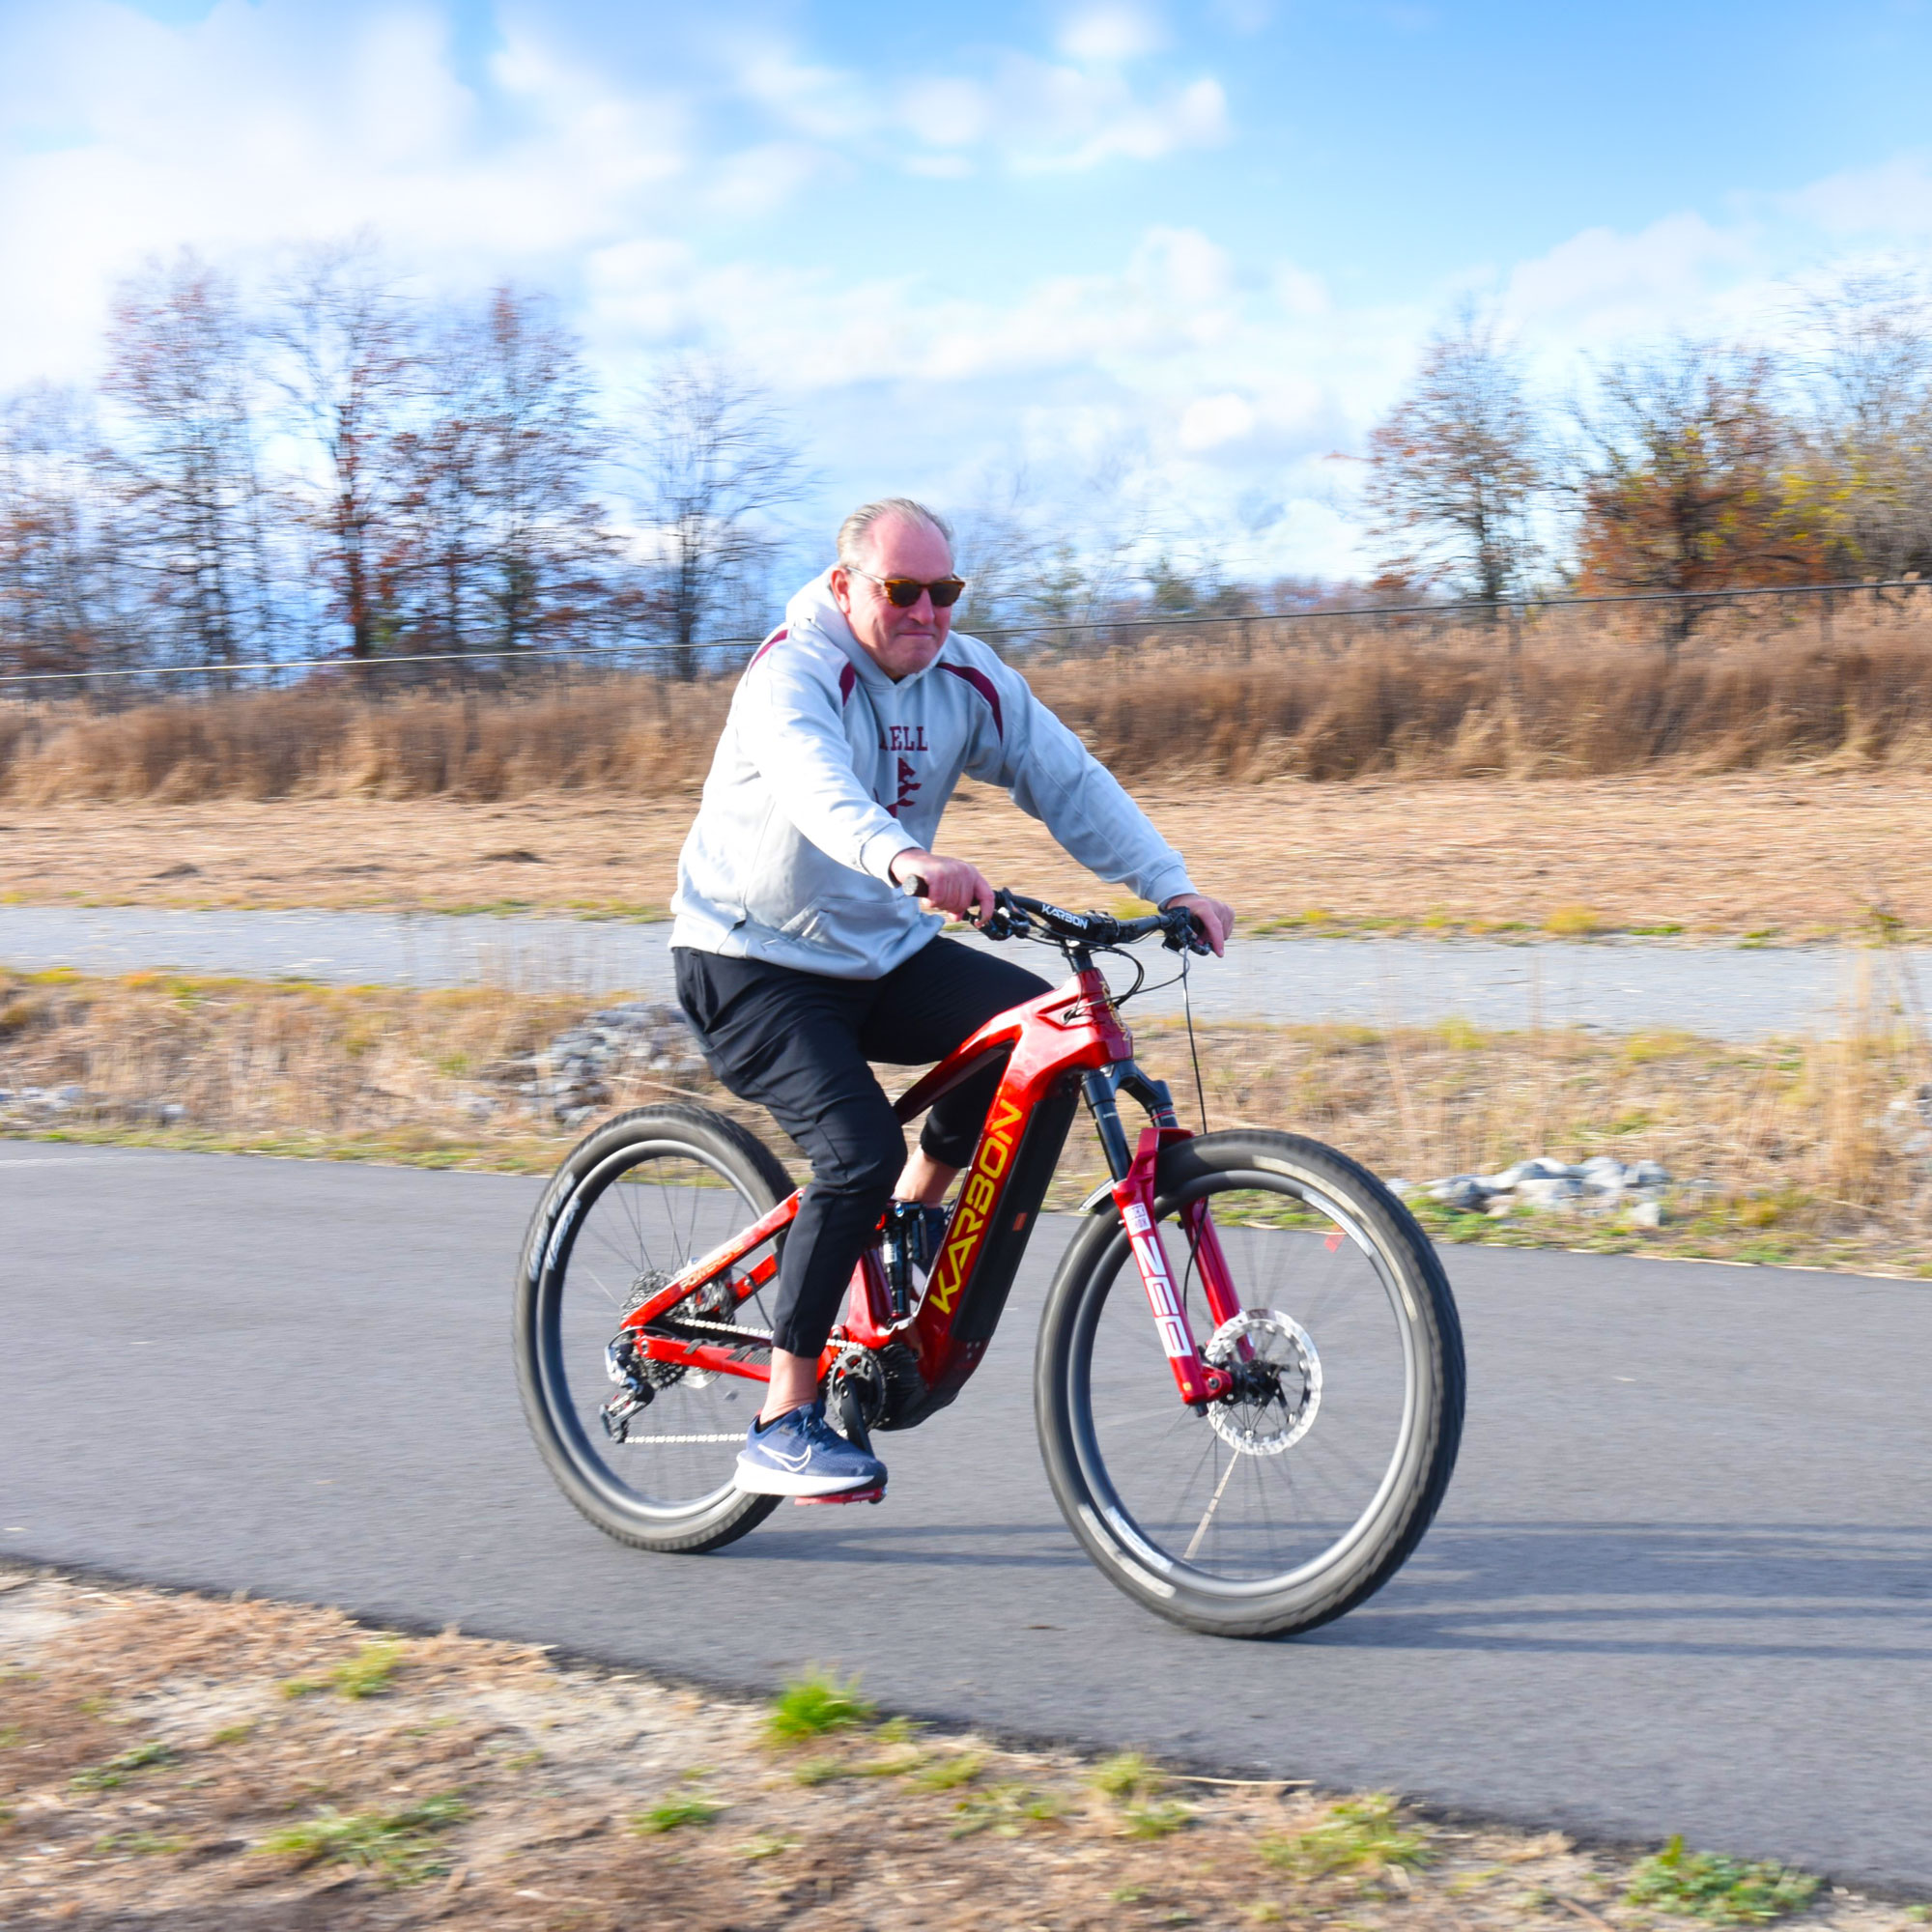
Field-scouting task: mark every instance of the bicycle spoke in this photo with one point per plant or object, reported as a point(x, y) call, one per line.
point(1201, 1530)
point(1244, 1514)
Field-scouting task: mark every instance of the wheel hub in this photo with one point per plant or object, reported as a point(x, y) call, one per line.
point(715, 1302)
point(1278, 1378)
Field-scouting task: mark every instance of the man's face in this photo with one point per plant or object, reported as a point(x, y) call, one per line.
point(898, 642)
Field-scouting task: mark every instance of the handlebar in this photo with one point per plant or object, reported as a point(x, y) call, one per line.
point(1014, 914)
point(1013, 917)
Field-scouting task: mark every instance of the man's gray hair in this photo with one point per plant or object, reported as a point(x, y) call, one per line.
point(857, 529)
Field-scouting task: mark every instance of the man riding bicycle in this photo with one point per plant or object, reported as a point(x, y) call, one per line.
point(800, 954)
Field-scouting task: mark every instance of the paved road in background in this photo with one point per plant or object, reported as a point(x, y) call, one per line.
point(1683, 1582)
point(1728, 993)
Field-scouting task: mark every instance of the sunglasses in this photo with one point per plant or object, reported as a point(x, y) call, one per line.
point(906, 591)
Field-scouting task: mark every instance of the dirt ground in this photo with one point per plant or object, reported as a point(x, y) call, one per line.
point(180, 1765)
point(1786, 856)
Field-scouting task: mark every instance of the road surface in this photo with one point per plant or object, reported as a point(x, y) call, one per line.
point(1682, 1581)
point(1728, 992)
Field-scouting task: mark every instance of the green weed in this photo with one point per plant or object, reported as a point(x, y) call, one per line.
point(949, 1774)
point(1360, 1836)
point(1005, 1809)
point(1573, 922)
point(366, 1674)
point(1126, 1777)
point(672, 1813)
point(814, 1706)
point(117, 1771)
point(1134, 1785)
point(1157, 1819)
point(401, 1845)
point(138, 1845)
point(765, 1846)
point(1724, 1891)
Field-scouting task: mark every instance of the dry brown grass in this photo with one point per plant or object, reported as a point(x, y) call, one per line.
point(1572, 704)
point(1800, 854)
point(635, 736)
point(1786, 1151)
point(487, 1787)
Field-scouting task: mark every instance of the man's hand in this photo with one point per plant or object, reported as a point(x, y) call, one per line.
point(1217, 919)
point(952, 886)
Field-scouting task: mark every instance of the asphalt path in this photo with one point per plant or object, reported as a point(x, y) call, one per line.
point(1682, 1581)
point(1615, 986)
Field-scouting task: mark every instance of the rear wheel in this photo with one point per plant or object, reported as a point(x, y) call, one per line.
point(641, 1198)
point(1298, 1496)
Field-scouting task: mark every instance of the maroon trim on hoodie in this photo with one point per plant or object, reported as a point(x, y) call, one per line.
point(984, 685)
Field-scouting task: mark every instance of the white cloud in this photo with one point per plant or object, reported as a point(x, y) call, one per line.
point(949, 113)
point(1213, 420)
point(261, 126)
point(1110, 35)
point(1034, 115)
point(1894, 199)
point(1231, 375)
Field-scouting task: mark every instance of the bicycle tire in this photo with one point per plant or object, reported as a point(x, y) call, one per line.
point(598, 1161)
point(1421, 1308)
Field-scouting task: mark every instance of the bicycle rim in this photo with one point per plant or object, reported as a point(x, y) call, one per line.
point(645, 1212)
point(1296, 1481)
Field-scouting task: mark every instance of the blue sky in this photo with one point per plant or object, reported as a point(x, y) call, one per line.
point(1167, 261)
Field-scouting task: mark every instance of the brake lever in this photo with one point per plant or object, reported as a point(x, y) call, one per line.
point(1007, 920)
point(1188, 937)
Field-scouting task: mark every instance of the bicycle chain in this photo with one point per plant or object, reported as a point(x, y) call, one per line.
point(672, 1325)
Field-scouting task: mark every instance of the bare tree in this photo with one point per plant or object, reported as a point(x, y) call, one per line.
point(711, 463)
point(344, 356)
point(1001, 548)
point(504, 537)
point(1455, 468)
point(1867, 481)
point(180, 372)
point(63, 604)
point(1683, 479)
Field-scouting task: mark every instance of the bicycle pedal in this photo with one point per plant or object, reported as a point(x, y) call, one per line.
point(875, 1494)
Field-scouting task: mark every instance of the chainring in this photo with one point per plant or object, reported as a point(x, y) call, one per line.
point(1277, 1382)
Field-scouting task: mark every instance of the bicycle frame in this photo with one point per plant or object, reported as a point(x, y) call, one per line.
point(1064, 1046)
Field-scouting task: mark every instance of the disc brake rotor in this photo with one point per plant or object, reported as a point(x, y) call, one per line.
point(1277, 1382)
point(713, 1303)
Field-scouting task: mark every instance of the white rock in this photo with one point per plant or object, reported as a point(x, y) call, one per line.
point(1648, 1214)
point(1549, 1191)
point(1540, 1168)
point(1648, 1174)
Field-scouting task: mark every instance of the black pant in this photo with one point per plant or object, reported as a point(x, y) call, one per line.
point(798, 1044)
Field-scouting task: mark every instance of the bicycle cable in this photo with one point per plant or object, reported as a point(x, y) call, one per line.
point(1193, 1051)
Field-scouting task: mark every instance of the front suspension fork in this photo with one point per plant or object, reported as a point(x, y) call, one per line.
point(1198, 1380)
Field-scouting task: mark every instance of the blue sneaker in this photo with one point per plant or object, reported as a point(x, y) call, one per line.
point(801, 1455)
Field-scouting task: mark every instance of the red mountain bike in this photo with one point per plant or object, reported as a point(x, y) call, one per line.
point(1248, 1383)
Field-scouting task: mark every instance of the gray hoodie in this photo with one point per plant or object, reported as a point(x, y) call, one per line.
point(827, 770)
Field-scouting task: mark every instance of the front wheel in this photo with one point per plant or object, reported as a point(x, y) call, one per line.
point(1301, 1495)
